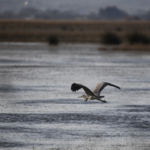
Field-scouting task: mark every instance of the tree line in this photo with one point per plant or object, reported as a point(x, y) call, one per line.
point(108, 13)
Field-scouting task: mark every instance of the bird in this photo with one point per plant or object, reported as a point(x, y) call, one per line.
point(95, 94)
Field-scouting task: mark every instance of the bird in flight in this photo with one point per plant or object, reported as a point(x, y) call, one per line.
point(96, 92)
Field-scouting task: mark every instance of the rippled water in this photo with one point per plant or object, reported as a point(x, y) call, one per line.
point(39, 111)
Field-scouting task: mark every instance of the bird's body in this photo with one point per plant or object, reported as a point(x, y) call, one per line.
point(86, 97)
point(96, 92)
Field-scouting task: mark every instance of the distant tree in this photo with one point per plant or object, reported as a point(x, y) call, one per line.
point(7, 15)
point(112, 13)
point(92, 16)
point(28, 12)
point(108, 13)
point(56, 15)
point(146, 16)
point(47, 14)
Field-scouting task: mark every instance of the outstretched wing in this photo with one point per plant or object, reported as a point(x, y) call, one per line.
point(100, 86)
point(75, 87)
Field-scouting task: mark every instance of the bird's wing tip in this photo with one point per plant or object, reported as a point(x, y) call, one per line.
point(75, 87)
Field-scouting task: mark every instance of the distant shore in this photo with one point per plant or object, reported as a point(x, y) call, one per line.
point(68, 31)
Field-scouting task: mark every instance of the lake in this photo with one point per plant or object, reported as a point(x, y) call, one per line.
point(39, 111)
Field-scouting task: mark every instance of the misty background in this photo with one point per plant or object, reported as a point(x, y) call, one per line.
point(79, 9)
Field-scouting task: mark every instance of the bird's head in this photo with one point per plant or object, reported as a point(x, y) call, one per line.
point(83, 96)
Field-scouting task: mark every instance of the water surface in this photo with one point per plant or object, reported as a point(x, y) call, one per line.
point(39, 111)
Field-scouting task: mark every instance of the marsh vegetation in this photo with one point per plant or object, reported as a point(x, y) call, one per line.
point(127, 35)
point(69, 31)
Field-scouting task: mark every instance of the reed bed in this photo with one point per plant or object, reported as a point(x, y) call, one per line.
point(68, 31)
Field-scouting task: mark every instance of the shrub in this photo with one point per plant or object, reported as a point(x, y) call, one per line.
point(111, 38)
point(119, 29)
point(53, 40)
point(64, 27)
point(135, 38)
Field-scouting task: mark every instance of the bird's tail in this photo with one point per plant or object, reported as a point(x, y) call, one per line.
point(102, 101)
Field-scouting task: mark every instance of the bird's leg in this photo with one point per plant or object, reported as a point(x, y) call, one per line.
point(102, 100)
point(85, 99)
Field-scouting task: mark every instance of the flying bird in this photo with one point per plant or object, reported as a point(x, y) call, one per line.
point(96, 92)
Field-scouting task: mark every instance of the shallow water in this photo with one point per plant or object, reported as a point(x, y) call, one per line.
point(39, 111)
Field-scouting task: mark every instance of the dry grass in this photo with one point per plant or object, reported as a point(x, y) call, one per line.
point(68, 31)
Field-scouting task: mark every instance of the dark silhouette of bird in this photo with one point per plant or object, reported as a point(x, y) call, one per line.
point(95, 95)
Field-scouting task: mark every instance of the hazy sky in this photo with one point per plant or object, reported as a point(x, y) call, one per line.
point(81, 6)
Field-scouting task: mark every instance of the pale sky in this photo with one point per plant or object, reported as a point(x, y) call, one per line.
point(81, 6)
